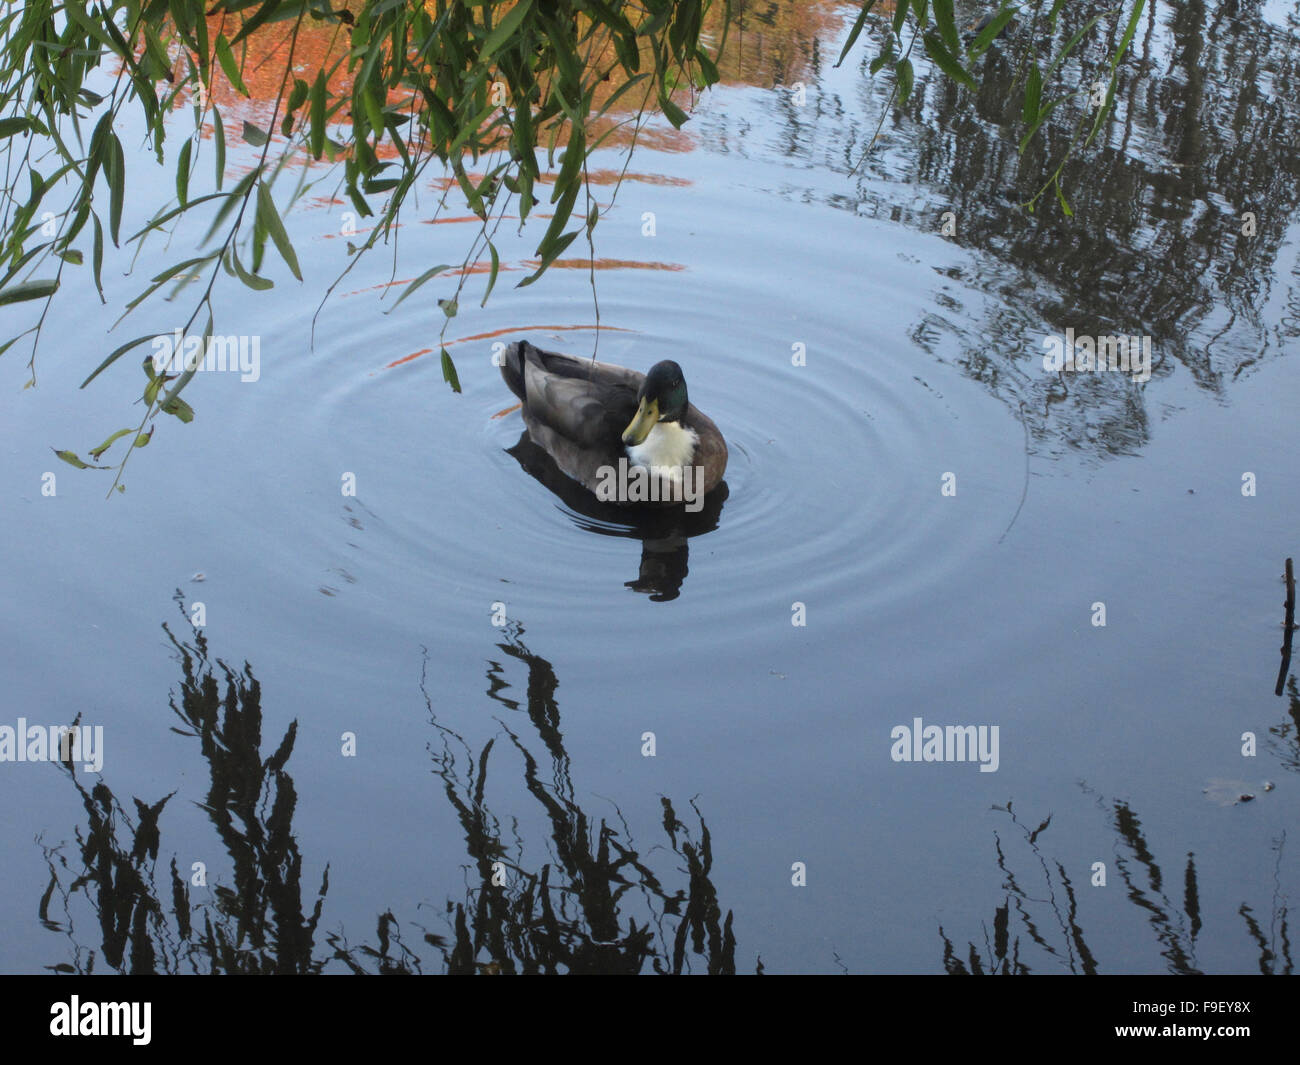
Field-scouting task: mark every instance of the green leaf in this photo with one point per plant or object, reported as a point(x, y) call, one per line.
point(1044, 111)
point(449, 371)
point(610, 17)
point(28, 290)
point(359, 202)
point(78, 222)
point(156, 53)
point(655, 24)
point(903, 71)
point(178, 408)
point(417, 283)
point(184, 19)
point(574, 155)
point(373, 112)
point(1060, 197)
point(555, 251)
point(672, 112)
point(120, 46)
point(449, 307)
point(1115, 60)
point(191, 367)
point(183, 173)
point(117, 186)
point(709, 69)
point(558, 220)
point(24, 259)
point(162, 219)
point(1033, 95)
point(117, 355)
point(10, 126)
point(944, 19)
point(989, 32)
point(72, 460)
point(253, 281)
point(253, 135)
point(97, 259)
point(944, 61)
point(161, 279)
point(227, 60)
point(258, 17)
point(317, 136)
point(900, 15)
point(1069, 46)
point(857, 29)
point(72, 256)
point(492, 277)
point(269, 217)
point(163, 276)
point(472, 197)
point(83, 18)
point(96, 452)
point(14, 340)
point(566, 60)
point(502, 32)
point(97, 155)
point(297, 97)
point(219, 142)
point(259, 243)
point(616, 94)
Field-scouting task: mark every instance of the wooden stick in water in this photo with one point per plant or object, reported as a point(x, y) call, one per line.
point(1288, 628)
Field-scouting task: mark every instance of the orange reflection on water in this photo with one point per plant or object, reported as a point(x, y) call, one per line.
point(482, 267)
point(604, 264)
point(507, 332)
point(775, 43)
point(769, 44)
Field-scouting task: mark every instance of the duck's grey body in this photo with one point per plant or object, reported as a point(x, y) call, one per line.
point(578, 411)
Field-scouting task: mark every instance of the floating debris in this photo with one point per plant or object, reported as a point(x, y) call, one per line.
point(1224, 792)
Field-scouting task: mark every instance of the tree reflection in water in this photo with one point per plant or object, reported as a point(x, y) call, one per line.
point(597, 906)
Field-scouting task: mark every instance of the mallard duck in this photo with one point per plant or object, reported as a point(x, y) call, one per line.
point(627, 437)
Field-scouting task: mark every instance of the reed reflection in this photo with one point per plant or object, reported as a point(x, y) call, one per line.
point(599, 903)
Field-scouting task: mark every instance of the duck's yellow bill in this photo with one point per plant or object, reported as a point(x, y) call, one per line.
point(647, 416)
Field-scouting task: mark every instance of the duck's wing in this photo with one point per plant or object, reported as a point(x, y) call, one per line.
point(711, 451)
point(585, 402)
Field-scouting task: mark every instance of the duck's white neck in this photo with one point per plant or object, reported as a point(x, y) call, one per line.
point(669, 444)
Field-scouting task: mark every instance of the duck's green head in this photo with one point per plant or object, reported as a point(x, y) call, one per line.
point(662, 399)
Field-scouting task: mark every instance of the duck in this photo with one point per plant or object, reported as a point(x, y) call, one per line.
point(595, 419)
point(977, 27)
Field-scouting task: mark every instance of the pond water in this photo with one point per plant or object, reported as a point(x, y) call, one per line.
point(531, 732)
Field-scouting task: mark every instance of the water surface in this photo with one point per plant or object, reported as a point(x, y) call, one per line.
point(857, 359)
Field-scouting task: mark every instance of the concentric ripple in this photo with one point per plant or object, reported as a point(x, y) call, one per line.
point(840, 436)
